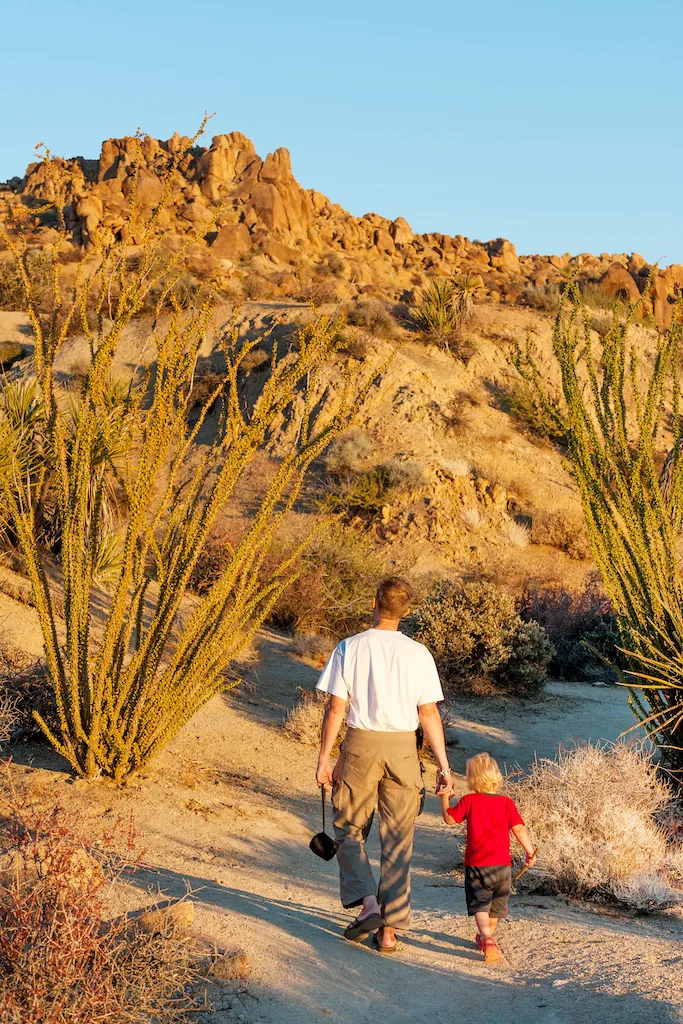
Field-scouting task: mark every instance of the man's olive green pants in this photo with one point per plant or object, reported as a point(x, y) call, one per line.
point(380, 768)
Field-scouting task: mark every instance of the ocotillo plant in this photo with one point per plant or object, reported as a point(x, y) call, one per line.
point(125, 687)
point(620, 406)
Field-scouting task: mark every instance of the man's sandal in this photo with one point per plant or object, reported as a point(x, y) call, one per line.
point(489, 948)
point(387, 950)
point(357, 930)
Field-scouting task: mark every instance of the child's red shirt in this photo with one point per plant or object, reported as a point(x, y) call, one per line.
point(489, 817)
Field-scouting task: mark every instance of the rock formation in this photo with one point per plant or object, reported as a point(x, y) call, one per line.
point(250, 217)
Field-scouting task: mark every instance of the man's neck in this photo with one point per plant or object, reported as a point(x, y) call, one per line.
point(388, 624)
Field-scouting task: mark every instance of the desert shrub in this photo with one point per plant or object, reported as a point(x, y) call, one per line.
point(633, 518)
point(472, 518)
point(257, 359)
point(545, 420)
point(372, 316)
point(25, 691)
point(339, 575)
point(517, 534)
point(365, 494)
point(544, 297)
point(591, 811)
point(457, 418)
point(563, 528)
point(60, 958)
point(304, 721)
point(256, 287)
point(207, 387)
point(601, 320)
point(40, 267)
point(348, 453)
point(318, 292)
point(582, 628)
point(455, 469)
point(11, 352)
point(357, 344)
point(122, 699)
point(215, 556)
point(312, 647)
point(479, 641)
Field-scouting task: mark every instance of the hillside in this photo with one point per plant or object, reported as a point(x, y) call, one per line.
point(254, 229)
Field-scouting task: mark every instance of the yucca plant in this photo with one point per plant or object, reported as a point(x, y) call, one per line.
point(618, 404)
point(434, 310)
point(126, 684)
point(445, 304)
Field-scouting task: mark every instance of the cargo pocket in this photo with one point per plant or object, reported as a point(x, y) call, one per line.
point(352, 804)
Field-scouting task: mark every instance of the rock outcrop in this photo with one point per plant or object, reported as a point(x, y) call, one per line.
point(248, 217)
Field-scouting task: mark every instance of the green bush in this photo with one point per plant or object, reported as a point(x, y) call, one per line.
point(479, 641)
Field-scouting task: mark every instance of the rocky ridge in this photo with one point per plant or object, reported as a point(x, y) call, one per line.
point(250, 218)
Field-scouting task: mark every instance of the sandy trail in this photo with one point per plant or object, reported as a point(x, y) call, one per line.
point(228, 810)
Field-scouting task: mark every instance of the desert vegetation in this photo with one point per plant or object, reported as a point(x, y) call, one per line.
point(596, 812)
point(479, 641)
point(63, 956)
point(153, 668)
point(633, 514)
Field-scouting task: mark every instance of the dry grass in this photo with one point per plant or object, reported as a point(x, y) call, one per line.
point(454, 469)
point(305, 720)
point(312, 647)
point(516, 534)
point(349, 453)
point(472, 518)
point(591, 812)
point(562, 528)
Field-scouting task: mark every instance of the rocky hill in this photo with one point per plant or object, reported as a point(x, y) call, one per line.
point(260, 233)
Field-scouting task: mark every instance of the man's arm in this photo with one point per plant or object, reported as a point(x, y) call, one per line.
point(332, 721)
point(430, 720)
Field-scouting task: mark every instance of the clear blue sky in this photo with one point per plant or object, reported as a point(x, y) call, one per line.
point(555, 125)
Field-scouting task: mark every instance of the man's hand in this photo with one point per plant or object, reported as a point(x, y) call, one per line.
point(444, 784)
point(323, 776)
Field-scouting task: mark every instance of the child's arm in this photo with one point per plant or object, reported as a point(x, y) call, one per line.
point(522, 836)
point(445, 800)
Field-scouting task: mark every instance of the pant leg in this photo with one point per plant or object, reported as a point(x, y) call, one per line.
point(353, 800)
point(399, 799)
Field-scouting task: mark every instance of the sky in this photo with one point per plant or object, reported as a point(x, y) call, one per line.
point(557, 126)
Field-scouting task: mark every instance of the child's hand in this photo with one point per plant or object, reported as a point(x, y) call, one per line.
point(445, 803)
point(530, 859)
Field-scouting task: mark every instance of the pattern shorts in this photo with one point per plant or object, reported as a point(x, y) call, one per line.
point(487, 889)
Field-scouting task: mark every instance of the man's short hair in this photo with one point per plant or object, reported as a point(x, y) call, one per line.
point(394, 597)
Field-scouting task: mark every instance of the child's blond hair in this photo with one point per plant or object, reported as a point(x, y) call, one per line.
point(483, 774)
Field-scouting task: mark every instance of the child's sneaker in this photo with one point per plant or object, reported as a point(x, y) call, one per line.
point(489, 947)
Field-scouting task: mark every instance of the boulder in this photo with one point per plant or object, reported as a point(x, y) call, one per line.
point(383, 240)
point(659, 293)
point(503, 256)
point(401, 232)
point(231, 241)
point(617, 283)
point(277, 167)
point(280, 252)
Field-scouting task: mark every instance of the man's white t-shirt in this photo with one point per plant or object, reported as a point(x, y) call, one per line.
point(386, 677)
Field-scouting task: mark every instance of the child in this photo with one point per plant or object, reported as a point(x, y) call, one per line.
point(488, 874)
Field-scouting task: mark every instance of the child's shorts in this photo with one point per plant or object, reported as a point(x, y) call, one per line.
point(487, 889)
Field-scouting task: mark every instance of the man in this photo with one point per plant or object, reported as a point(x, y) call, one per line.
point(392, 686)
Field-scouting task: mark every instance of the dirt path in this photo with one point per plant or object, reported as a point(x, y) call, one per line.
point(228, 811)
